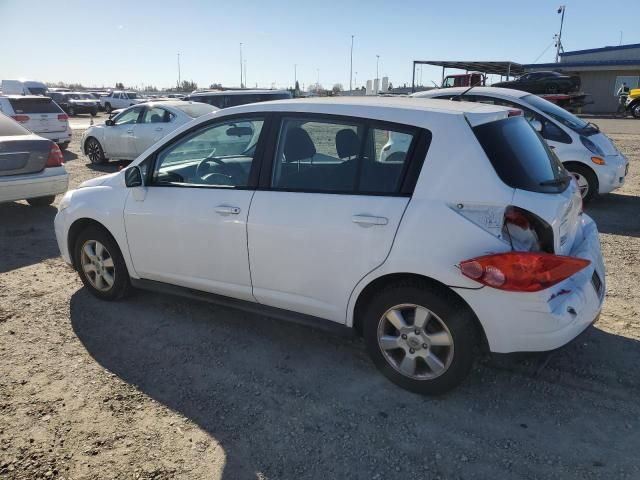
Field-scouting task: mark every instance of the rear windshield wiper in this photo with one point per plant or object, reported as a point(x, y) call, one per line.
point(555, 181)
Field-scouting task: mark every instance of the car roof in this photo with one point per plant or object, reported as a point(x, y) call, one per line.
point(240, 92)
point(507, 92)
point(10, 96)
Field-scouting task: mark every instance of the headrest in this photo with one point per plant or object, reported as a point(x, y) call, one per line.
point(347, 143)
point(298, 145)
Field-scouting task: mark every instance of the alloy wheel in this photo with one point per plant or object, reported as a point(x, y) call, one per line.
point(97, 264)
point(583, 184)
point(415, 341)
point(93, 151)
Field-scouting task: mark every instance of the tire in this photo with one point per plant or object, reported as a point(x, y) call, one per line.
point(97, 258)
point(551, 88)
point(94, 112)
point(94, 151)
point(72, 111)
point(635, 110)
point(41, 201)
point(448, 321)
point(107, 107)
point(587, 181)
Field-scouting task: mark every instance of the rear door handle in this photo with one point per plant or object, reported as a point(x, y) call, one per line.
point(368, 220)
point(227, 210)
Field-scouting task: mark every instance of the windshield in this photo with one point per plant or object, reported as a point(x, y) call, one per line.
point(557, 113)
point(132, 95)
point(195, 110)
point(37, 90)
point(520, 157)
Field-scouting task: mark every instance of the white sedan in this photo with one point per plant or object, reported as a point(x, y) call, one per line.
point(131, 132)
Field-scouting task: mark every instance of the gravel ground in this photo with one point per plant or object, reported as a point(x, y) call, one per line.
point(157, 387)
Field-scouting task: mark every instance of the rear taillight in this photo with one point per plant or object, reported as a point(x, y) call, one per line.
point(521, 271)
point(55, 159)
point(21, 118)
point(63, 116)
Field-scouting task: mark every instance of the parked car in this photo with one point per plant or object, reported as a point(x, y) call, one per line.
point(31, 167)
point(475, 237)
point(39, 114)
point(76, 102)
point(585, 151)
point(233, 98)
point(543, 82)
point(119, 99)
point(23, 87)
point(129, 133)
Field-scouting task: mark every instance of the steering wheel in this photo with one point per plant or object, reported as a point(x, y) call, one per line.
point(204, 167)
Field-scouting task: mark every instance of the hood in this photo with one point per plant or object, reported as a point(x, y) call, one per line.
point(604, 143)
point(95, 182)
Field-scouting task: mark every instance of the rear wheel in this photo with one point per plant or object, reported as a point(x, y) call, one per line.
point(420, 337)
point(100, 264)
point(586, 179)
point(94, 151)
point(41, 201)
point(107, 107)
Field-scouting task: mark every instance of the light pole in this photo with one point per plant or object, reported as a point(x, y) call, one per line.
point(377, 75)
point(295, 75)
point(351, 66)
point(559, 41)
point(355, 79)
point(240, 64)
point(178, 70)
point(245, 72)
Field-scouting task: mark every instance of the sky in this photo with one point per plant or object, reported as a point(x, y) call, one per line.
point(137, 42)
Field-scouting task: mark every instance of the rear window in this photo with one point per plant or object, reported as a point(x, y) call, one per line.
point(520, 156)
point(9, 127)
point(195, 110)
point(34, 105)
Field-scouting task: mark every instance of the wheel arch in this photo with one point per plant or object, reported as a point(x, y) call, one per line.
point(381, 282)
point(76, 228)
point(568, 163)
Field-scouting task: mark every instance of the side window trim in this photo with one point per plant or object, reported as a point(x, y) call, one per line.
point(256, 164)
point(416, 153)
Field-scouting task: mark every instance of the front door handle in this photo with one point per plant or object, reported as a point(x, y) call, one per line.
point(227, 210)
point(129, 131)
point(159, 129)
point(369, 220)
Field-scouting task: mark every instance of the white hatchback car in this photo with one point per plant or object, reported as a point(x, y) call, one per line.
point(31, 167)
point(586, 152)
point(132, 131)
point(286, 208)
point(39, 114)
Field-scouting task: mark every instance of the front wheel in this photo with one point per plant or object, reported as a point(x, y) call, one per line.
point(41, 201)
point(635, 110)
point(100, 264)
point(95, 152)
point(421, 337)
point(586, 179)
point(107, 108)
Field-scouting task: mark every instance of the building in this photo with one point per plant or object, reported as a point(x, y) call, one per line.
point(602, 71)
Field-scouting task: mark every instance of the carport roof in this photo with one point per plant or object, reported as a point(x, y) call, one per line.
point(589, 63)
point(496, 68)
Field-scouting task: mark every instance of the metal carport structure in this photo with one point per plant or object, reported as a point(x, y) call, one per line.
point(505, 69)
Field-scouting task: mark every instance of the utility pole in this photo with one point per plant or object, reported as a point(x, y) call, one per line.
point(178, 70)
point(245, 72)
point(377, 64)
point(559, 40)
point(351, 66)
point(241, 65)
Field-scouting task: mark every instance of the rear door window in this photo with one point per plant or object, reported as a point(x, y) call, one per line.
point(520, 157)
point(34, 105)
point(335, 156)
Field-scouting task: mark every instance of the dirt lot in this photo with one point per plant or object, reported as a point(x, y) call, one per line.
point(157, 387)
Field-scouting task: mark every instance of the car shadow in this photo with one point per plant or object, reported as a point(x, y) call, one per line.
point(286, 401)
point(69, 155)
point(616, 213)
point(26, 235)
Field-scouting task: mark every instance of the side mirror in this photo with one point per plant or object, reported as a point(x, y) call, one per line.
point(133, 177)
point(109, 123)
point(537, 125)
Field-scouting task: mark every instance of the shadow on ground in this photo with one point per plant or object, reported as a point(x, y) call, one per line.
point(286, 401)
point(110, 166)
point(26, 235)
point(617, 214)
